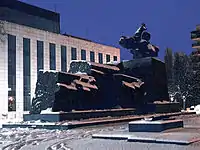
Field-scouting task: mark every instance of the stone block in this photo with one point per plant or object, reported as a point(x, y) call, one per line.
point(152, 72)
point(78, 115)
point(154, 126)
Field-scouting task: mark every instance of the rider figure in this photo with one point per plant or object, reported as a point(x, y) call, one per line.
point(138, 33)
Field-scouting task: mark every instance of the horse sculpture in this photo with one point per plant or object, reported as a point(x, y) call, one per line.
point(139, 44)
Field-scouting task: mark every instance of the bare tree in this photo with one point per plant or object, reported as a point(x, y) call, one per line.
point(2, 32)
point(182, 85)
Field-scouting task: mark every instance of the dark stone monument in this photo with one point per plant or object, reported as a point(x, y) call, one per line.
point(152, 72)
point(145, 66)
point(137, 83)
point(97, 87)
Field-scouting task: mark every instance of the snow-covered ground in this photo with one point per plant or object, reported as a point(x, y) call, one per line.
point(35, 139)
point(80, 138)
point(197, 109)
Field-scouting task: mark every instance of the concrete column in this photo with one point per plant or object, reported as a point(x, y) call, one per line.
point(4, 75)
point(87, 54)
point(46, 56)
point(58, 57)
point(19, 75)
point(78, 50)
point(33, 58)
point(68, 56)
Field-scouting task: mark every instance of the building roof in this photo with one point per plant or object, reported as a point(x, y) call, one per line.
point(65, 34)
point(88, 40)
point(30, 9)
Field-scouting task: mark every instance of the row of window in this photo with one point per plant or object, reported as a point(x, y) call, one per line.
point(52, 52)
point(92, 56)
point(12, 73)
point(40, 65)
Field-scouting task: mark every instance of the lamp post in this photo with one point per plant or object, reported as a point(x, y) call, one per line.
point(184, 100)
point(171, 98)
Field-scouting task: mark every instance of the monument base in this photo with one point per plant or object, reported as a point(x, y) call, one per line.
point(152, 72)
point(159, 107)
point(78, 115)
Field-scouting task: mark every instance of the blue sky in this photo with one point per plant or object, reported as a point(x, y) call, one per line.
point(169, 21)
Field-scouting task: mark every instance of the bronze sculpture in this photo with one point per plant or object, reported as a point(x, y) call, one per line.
point(139, 44)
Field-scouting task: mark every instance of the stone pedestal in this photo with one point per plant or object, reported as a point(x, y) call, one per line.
point(154, 126)
point(152, 72)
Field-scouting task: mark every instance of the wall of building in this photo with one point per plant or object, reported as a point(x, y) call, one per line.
point(47, 37)
point(22, 18)
point(25, 14)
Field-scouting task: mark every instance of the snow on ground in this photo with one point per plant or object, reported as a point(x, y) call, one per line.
point(13, 117)
point(77, 139)
point(197, 109)
point(80, 138)
point(35, 139)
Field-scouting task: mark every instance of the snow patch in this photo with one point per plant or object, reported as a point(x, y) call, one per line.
point(84, 61)
point(81, 73)
point(125, 60)
point(113, 63)
point(33, 123)
point(197, 109)
point(38, 122)
point(48, 111)
point(53, 71)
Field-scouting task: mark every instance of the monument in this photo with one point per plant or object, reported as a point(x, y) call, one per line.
point(137, 83)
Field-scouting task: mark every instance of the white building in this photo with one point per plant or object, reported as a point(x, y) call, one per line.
point(26, 47)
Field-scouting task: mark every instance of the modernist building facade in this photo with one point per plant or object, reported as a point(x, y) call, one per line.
point(195, 36)
point(27, 47)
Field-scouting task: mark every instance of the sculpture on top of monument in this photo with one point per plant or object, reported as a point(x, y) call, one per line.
point(139, 44)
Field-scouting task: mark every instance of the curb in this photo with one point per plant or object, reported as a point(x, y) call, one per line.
point(113, 137)
point(130, 138)
point(155, 140)
point(89, 123)
point(35, 126)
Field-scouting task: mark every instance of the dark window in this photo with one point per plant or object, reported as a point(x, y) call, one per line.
point(52, 53)
point(40, 55)
point(115, 58)
point(92, 58)
point(11, 73)
point(63, 58)
point(73, 53)
point(26, 74)
point(107, 58)
point(83, 54)
point(100, 58)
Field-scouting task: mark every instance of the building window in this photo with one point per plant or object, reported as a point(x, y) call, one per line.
point(11, 73)
point(63, 58)
point(40, 55)
point(26, 74)
point(115, 58)
point(100, 58)
point(83, 54)
point(107, 58)
point(73, 53)
point(92, 58)
point(52, 52)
